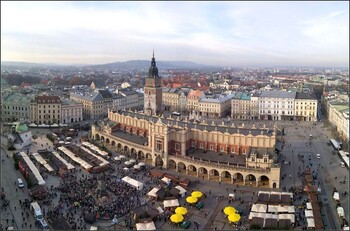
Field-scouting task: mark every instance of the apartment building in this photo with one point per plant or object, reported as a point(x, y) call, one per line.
point(174, 99)
point(276, 105)
point(215, 107)
point(244, 106)
point(94, 105)
point(131, 98)
point(305, 107)
point(71, 111)
point(46, 110)
point(16, 107)
point(193, 99)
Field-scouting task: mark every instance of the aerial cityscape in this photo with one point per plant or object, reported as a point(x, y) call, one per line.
point(174, 115)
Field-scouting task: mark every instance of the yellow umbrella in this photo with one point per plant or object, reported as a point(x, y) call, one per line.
point(234, 217)
point(176, 218)
point(229, 210)
point(181, 210)
point(191, 200)
point(197, 194)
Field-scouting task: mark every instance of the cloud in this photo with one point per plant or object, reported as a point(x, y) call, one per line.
point(227, 33)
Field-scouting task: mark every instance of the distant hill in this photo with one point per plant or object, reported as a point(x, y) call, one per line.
point(132, 64)
point(145, 64)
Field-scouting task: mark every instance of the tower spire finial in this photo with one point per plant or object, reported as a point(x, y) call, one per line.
point(153, 52)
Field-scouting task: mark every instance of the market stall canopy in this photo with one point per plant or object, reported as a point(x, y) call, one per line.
point(229, 210)
point(146, 226)
point(171, 203)
point(181, 210)
point(309, 213)
point(153, 192)
point(310, 223)
point(259, 208)
point(176, 218)
point(234, 217)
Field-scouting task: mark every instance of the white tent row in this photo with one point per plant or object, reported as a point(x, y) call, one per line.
point(276, 193)
point(262, 215)
point(259, 208)
point(310, 223)
point(137, 184)
point(42, 161)
point(171, 203)
point(287, 216)
point(146, 226)
point(340, 211)
point(308, 205)
point(34, 169)
point(95, 148)
point(153, 192)
point(182, 192)
point(69, 166)
point(117, 158)
point(280, 209)
point(104, 162)
point(309, 213)
point(75, 158)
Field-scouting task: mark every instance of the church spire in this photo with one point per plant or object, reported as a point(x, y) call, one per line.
point(153, 70)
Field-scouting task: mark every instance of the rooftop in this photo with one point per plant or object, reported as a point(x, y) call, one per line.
point(130, 137)
point(277, 94)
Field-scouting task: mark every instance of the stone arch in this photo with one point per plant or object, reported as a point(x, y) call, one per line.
point(264, 181)
point(214, 175)
point(191, 170)
point(274, 185)
point(97, 137)
point(102, 138)
point(149, 158)
point(141, 156)
point(113, 143)
point(159, 161)
point(126, 150)
point(250, 180)
point(238, 178)
point(133, 153)
point(203, 173)
point(225, 176)
point(181, 167)
point(107, 141)
point(172, 165)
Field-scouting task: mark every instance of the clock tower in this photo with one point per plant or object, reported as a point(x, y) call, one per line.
point(153, 91)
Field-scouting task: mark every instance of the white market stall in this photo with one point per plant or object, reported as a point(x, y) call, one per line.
point(69, 166)
point(34, 169)
point(146, 226)
point(171, 203)
point(310, 222)
point(137, 184)
point(182, 191)
point(259, 208)
point(153, 192)
point(309, 213)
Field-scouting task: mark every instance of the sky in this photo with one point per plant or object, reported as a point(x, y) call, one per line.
point(312, 33)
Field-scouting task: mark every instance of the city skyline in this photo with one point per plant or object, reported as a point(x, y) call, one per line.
point(217, 33)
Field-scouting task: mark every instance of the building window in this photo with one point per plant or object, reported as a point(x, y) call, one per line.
point(159, 145)
point(201, 146)
point(177, 146)
point(193, 144)
point(265, 160)
point(232, 150)
point(211, 147)
point(253, 159)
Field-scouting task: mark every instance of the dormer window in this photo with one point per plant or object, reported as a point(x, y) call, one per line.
point(265, 160)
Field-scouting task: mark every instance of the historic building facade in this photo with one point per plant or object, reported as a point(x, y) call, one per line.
point(45, 110)
point(216, 152)
point(153, 90)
